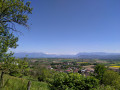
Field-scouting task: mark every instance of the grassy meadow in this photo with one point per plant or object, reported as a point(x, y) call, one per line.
point(15, 83)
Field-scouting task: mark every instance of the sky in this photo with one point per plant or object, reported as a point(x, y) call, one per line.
point(72, 26)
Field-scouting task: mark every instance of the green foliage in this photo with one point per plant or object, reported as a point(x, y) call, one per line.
point(73, 81)
point(44, 75)
point(102, 87)
point(99, 71)
point(14, 83)
point(11, 12)
point(7, 40)
point(111, 78)
point(41, 73)
point(116, 83)
point(13, 66)
point(14, 11)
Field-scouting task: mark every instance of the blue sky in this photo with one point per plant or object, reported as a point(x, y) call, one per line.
point(72, 26)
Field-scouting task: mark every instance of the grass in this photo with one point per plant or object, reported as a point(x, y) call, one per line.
point(14, 83)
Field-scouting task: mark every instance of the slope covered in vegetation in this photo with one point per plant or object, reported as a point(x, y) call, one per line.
point(15, 83)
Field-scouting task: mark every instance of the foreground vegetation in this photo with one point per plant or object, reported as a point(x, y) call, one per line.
point(15, 83)
point(44, 78)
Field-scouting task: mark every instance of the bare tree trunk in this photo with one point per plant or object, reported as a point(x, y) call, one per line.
point(29, 85)
point(1, 79)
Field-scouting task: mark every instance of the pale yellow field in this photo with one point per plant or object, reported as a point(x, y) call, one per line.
point(115, 66)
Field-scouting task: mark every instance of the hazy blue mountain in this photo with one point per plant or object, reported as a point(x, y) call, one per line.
point(41, 55)
point(97, 53)
point(92, 55)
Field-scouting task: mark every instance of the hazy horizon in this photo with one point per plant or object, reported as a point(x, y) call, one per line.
point(68, 53)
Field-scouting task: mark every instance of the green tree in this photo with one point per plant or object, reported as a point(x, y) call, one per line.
point(111, 78)
point(13, 66)
point(99, 71)
point(12, 12)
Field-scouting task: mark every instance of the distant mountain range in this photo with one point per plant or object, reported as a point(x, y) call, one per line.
point(41, 55)
point(92, 55)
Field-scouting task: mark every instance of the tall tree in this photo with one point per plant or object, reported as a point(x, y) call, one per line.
point(12, 12)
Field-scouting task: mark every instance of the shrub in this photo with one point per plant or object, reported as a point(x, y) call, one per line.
point(73, 81)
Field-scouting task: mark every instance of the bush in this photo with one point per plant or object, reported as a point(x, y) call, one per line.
point(102, 87)
point(15, 73)
point(109, 76)
point(45, 75)
point(73, 81)
point(40, 78)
